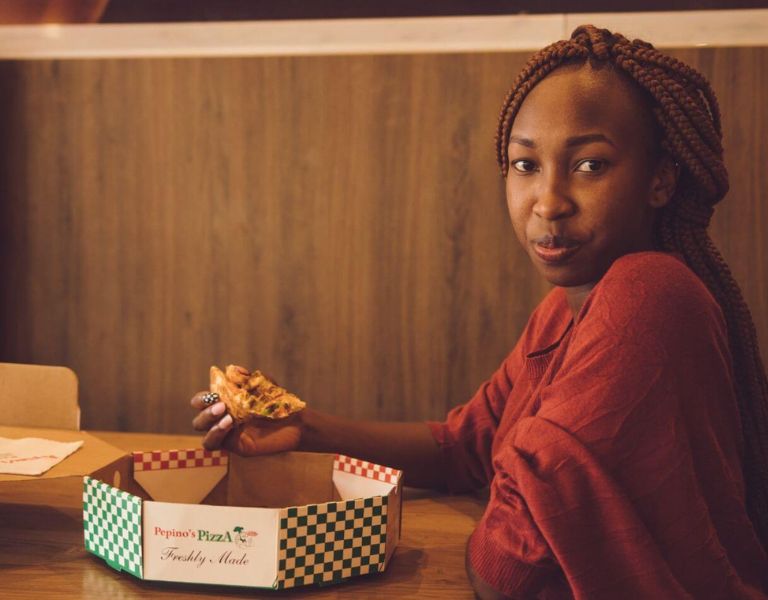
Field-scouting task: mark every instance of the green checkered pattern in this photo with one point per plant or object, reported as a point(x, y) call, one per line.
point(112, 525)
point(325, 543)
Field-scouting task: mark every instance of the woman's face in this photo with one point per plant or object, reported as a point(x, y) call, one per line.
point(582, 186)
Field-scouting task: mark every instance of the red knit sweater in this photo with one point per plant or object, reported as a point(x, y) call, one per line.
point(611, 444)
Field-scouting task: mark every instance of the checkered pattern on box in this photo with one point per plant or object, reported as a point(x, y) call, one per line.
point(324, 543)
point(178, 459)
point(366, 469)
point(112, 525)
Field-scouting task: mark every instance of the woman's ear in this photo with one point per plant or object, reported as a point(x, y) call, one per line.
point(664, 182)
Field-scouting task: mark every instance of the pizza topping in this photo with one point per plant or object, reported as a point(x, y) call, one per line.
point(252, 394)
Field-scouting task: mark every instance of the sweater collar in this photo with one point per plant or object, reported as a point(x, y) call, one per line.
point(536, 362)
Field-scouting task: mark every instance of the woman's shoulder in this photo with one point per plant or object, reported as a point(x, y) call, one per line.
point(654, 265)
point(658, 286)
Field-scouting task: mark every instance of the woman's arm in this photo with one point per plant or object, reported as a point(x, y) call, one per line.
point(406, 446)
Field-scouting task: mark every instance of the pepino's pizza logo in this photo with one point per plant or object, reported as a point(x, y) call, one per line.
point(241, 537)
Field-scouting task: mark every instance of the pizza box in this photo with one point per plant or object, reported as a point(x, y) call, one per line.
point(277, 521)
point(203, 516)
point(41, 402)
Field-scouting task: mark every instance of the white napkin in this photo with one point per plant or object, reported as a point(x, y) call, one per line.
point(33, 456)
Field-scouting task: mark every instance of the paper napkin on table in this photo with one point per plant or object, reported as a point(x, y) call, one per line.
point(32, 456)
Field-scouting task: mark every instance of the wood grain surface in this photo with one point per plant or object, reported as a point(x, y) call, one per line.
point(337, 221)
point(41, 549)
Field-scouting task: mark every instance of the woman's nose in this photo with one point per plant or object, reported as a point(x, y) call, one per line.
point(552, 200)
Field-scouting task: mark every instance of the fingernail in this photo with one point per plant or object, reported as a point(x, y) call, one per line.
point(226, 422)
point(218, 408)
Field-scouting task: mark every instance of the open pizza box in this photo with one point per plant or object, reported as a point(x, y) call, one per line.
point(41, 402)
point(200, 516)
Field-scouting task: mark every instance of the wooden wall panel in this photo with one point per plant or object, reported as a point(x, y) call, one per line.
point(740, 225)
point(337, 221)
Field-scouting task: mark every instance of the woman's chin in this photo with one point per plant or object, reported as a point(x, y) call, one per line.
point(567, 276)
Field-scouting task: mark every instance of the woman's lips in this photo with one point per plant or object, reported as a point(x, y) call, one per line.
point(554, 255)
point(553, 249)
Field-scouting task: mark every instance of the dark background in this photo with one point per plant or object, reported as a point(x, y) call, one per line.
point(160, 11)
point(128, 11)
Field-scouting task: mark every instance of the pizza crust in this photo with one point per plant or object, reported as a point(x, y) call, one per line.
point(249, 395)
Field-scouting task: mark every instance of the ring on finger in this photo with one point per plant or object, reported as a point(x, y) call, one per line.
point(210, 398)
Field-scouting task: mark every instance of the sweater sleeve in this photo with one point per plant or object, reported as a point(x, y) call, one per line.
point(466, 435)
point(555, 510)
point(607, 481)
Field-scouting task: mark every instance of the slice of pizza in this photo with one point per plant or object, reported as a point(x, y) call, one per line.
point(250, 395)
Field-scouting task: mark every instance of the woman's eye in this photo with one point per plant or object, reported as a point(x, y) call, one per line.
point(590, 165)
point(523, 166)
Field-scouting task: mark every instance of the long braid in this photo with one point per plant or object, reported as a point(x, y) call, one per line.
point(688, 117)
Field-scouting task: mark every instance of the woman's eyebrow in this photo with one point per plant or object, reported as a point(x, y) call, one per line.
point(522, 141)
point(578, 140)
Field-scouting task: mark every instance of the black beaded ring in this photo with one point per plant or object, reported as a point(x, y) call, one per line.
point(210, 398)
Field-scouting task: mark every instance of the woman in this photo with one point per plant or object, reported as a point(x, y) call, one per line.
point(624, 439)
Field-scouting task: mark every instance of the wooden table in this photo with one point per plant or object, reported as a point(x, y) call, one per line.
point(42, 553)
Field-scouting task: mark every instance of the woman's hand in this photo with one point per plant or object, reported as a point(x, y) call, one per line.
point(258, 436)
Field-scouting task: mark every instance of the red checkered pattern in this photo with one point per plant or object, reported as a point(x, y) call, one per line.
point(178, 459)
point(366, 469)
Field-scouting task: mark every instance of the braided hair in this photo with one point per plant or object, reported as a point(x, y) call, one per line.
point(686, 117)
